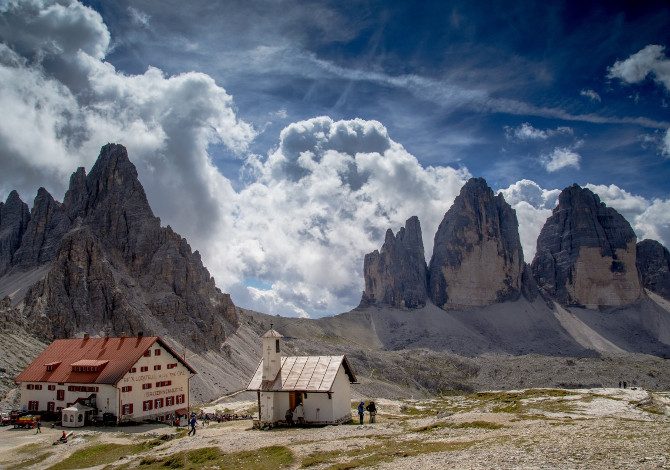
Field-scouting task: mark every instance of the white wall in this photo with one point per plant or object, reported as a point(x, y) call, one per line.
point(341, 396)
point(179, 377)
point(106, 395)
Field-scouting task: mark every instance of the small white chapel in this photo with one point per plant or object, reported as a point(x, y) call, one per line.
point(321, 383)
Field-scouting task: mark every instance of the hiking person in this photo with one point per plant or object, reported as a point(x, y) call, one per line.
point(289, 417)
point(361, 411)
point(372, 409)
point(299, 414)
point(39, 427)
point(192, 422)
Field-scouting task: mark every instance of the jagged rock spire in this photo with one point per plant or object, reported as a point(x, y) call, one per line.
point(396, 275)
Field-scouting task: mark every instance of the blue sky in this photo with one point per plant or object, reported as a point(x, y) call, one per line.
point(282, 138)
point(538, 55)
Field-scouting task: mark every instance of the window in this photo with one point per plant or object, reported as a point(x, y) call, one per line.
point(133, 370)
point(81, 388)
point(127, 389)
point(147, 353)
point(80, 417)
point(172, 366)
point(169, 401)
point(277, 345)
point(144, 368)
point(33, 405)
point(51, 406)
point(158, 403)
point(38, 387)
point(127, 409)
point(157, 367)
point(146, 386)
point(30, 387)
point(59, 409)
point(180, 399)
point(164, 383)
point(51, 387)
point(157, 352)
point(60, 395)
point(147, 405)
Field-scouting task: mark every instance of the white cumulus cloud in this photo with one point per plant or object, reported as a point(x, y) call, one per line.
point(590, 94)
point(526, 132)
point(559, 158)
point(649, 60)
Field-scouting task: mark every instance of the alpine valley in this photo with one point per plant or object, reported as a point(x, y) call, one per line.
point(591, 309)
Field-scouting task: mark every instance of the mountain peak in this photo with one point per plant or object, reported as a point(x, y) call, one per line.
point(477, 257)
point(586, 253)
point(396, 274)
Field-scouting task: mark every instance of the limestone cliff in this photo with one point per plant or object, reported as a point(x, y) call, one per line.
point(396, 275)
point(586, 253)
point(477, 257)
point(653, 261)
point(14, 218)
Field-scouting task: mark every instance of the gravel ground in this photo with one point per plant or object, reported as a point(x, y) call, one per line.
point(532, 428)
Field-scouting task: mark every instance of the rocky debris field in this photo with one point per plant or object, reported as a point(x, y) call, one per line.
point(530, 428)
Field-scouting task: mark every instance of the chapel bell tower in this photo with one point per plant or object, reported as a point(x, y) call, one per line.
point(271, 355)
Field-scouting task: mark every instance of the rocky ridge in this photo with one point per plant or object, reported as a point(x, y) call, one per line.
point(586, 253)
point(110, 266)
point(653, 261)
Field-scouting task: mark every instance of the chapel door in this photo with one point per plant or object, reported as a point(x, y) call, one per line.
point(292, 399)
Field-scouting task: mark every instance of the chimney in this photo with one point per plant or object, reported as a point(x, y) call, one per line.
point(86, 336)
point(140, 334)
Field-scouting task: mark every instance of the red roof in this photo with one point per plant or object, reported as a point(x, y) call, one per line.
point(119, 355)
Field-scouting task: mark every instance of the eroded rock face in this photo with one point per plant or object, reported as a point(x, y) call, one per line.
point(396, 275)
point(14, 218)
point(477, 257)
point(653, 261)
point(112, 268)
point(586, 253)
point(48, 224)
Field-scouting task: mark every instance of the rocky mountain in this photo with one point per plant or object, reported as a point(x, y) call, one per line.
point(14, 219)
point(653, 261)
point(477, 256)
point(396, 275)
point(586, 253)
point(101, 263)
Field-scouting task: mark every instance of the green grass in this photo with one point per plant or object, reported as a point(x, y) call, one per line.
point(376, 454)
point(266, 458)
point(100, 454)
point(30, 462)
point(451, 425)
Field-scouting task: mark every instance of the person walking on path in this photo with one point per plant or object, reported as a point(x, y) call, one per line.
point(361, 411)
point(372, 409)
point(299, 414)
point(192, 422)
point(39, 427)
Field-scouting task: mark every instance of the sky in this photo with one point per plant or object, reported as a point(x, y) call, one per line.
point(282, 139)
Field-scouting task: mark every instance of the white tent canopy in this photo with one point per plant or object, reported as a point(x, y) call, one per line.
point(75, 416)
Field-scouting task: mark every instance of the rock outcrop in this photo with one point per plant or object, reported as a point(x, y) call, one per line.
point(48, 224)
point(396, 275)
point(112, 268)
point(14, 218)
point(477, 256)
point(653, 261)
point(586, 253)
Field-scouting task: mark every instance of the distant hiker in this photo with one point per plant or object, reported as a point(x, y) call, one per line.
point(299, 414)
point(361, 411)
point(624, 384)
point(619, 383)
point(372, 409)
point(39, 427)
point(192, 422)
point(63, 437)
point(289, 417)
